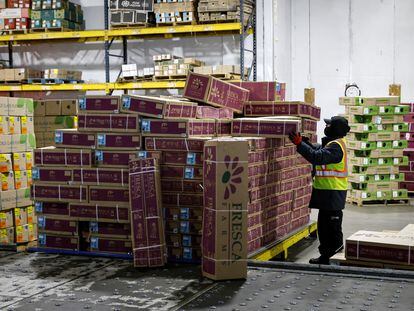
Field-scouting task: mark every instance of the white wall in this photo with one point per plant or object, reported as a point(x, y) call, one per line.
point(369, 42)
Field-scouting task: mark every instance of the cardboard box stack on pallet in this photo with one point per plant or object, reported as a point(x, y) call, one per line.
point(225, 72)
point(61, 14)
point(17, 220)
point(212, 11)
point(168, 66)
point(81, 187)
point(175, 12)
point(375, 148)
point(15, 14)
point(51, 115)
point(389, 248)
point(175, 132)
point(33, 76)
point(408, 170)
point(131, 13)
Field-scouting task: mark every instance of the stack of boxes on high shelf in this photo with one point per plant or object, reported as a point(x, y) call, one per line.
point(131, 13)
point(17, 141)
point(15, 14)
point(56, 14)
point(171, 67)
point(376, 150)
point(28, 75)
point(175, 12)
point(227, 10)
point(50, 115)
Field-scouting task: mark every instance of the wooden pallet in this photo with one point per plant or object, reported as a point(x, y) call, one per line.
point(52, 29)
point(131, 25)
point(15, 31)
point(134, 79)
point(378, 203)
point(51, 81)
point(18, 247)
point(18, 82)
point(177, 23)
point(339, 259)
point(227, 76)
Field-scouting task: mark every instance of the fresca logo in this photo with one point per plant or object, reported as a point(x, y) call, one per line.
point(231, 177)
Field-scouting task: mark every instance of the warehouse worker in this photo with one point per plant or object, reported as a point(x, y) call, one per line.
point(330, 183)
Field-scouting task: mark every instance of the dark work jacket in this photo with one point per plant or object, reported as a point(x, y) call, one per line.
point(332, 200)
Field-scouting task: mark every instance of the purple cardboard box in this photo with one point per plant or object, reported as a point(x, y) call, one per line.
point(98, 104)
point(110, 122)
point(71, 138)
point(112, 141)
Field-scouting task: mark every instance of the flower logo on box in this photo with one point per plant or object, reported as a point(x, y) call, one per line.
point(197, 84)
point(231, 176)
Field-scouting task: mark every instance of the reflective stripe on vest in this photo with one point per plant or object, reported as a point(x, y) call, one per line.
point(333, 176)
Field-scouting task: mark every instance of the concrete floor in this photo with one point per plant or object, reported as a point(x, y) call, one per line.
point(358, 218)
point(44, 282)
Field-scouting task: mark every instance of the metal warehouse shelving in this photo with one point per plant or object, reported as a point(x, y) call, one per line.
point(108, 36)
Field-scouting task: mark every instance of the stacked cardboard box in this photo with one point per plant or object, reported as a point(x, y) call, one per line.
point(167, 66)
point(375, 148)
point(17, 221)
point(19, 74)
point(56, 14)
point(50, 115)
point(178, 12)
point(227, 10)
point(408, 170)
point(131, 13)
point(394, 248)
point(175, 132)
point(228, 72)
point(81, 187)
point(16, 16)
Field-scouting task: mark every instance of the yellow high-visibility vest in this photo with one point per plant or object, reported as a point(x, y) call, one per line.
point(333, 176)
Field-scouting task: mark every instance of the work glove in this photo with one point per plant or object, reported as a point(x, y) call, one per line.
point(295, 138)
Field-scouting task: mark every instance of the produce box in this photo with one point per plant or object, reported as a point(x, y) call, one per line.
point(146, 214)
point(110, 230)
point(265, 127)
point(163, 108)
point(224, 244)
point(99, 104)
point(51, 156)
point(139, 5)
point(101, 213)
point(71, 138)
point(185, 186)
point(59, 193)
point(47, 224)
point(58, 241)
point(223, 127)
point(178, 128)
point(7, 236)
point(182, 240)
point(374, 137)
point(52, 175)
point(184, 254)
point(181, 172)
point(182, 199)
point(110, 122)
point(215, 92)
point(264, 91)
point(175, 144)
point(48, 124)
point(54, 209)
point(6, 163)
point(361, 145)
point(115, 159)
point(6, 219)
point(183, 214)
point(299, 109)
point(387, 247)
point(103, 194)
point(363, 128)
point(114, 141)
point(362, 110)
point(207, 112)
point(100, 176)
point(370, 101)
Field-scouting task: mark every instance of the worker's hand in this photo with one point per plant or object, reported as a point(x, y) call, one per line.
point(296, 138)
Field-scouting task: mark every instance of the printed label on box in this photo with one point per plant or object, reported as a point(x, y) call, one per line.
point(191, 158)
point(126, 102)
point(39, 207)
point(101, 139)
point(41, 239)
point(146, 125)
point(82, 103)
point(187, 240)
point(93, 227)
point(189, 173)
point(95, 242)
point(41, 221)
point(58, 137)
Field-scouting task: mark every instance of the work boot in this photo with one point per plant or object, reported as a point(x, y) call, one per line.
point(322, 260)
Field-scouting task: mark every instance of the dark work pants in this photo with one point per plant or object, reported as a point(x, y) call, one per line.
point(330, 232)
